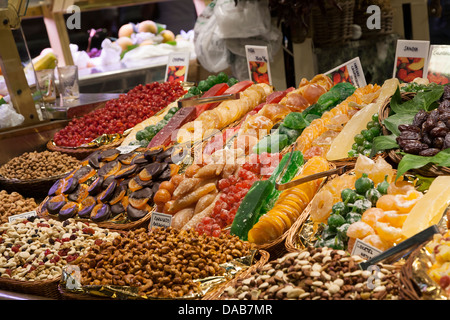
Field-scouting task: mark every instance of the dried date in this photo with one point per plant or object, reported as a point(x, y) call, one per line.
point(429, 152)
point(408, 127)
point(440, 130)
point(414, 146)
point(420, 118)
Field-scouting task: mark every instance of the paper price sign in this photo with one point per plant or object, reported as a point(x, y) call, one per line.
point(160, 220)
point(22, 216)
point(351, 72)
point(411, 58)
point(364, 250)
point(177, 67)
point(438, 70)
point(258, 64)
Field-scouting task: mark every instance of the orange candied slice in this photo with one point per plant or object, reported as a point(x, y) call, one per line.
point(394, 218)
point(400, 187)
point(372, 215)
point(138, 203)
point(375, 241)
point(387, 232)
point(87, 176)
point(386, 202)
point(359, 230)
point(404, 203)
point(133, 184)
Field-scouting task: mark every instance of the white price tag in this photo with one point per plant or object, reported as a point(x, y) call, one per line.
point(127, 149)
point(177, 66)
point(350, 71)
point(22, 216)
point(258, 64)
point(411, 59)
point(438, 70)
point(364, 250)
point(160, 220)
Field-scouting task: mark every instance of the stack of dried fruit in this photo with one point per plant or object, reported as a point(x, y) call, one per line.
point(111, 185)
point(13, 203)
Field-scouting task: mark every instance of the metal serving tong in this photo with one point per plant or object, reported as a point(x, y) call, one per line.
point(296, 182)
point(195, 100)
point(403, 249)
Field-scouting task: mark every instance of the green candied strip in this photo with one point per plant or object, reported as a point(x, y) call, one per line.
point(146, 135)
point(291, 171)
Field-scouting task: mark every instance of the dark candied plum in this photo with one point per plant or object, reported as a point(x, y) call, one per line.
point(414, 146)
point(420, 118)
point(408, 127)
point(440, 130)
point(429, 152)
point(446, 141)
point(438, 142)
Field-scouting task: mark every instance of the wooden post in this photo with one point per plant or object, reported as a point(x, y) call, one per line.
point(18, 88)
point(57, 33)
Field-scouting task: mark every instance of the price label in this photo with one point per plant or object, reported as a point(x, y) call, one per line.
point(126, 149)
point(411, 58)
point(364, 250)
point(160, 220)
point(22, 216)
point(258, 64)
point(177, 66)
point(438, 70)
point(351, 72)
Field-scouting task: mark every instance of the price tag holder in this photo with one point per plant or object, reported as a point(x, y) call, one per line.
point(364, 250)
point(350, 71)
point(22, 216)
point(177, 66)
point(258, 64)
point(127, 149)
point(160, 220)
point(438, 70)
point(411, 59)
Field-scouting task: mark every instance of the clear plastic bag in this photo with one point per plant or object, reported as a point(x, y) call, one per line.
point(246, 19)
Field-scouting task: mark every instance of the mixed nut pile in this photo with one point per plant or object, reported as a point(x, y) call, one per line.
point(162, 263)
point(37, 249)
point(14, 203)
point(316, 274)
point(38, 165)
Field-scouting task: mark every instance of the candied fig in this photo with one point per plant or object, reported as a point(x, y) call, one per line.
point(86, 207)
point(101, 212)
point(55, 203)
point(69, 210)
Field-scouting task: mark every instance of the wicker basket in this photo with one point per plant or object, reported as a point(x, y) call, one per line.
point(430, 170)
point(33, 188)
point(44, 288)
point(217, 292)
point(141, 223)
point(335, 27)
point(408, 288)
point(82, 153)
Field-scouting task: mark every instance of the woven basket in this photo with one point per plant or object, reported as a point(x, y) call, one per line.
point(82, 153)
point(33, 188)
point(45, 288)
point(430, 170)
point(408, 288)
point(141, 223)
point(335, 27)
point(218, 291)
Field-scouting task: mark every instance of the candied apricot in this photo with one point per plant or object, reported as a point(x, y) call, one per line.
point(162, 196)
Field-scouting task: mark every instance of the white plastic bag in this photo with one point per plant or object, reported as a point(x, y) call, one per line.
point(110, 53)
point(210, 47)
point(9, 117)
point(246, 19)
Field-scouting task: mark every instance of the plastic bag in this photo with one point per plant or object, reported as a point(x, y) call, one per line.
point(210, 47)
point(244, 20)
point(9, 117)
point(110, 53)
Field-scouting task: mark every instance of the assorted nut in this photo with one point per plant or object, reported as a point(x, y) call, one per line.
point(162, 262)
point(316, 274)
point(13, 203)
point(37, 249)
point(38, 165)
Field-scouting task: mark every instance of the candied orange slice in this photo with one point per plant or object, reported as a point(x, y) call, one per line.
point(386, 202)
point(400, 187)
point(375, 241)
point(371, 216)
point(387, 232)
point(404, 203)
point(134, 185)
point(394, 218)
point(359, 230)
